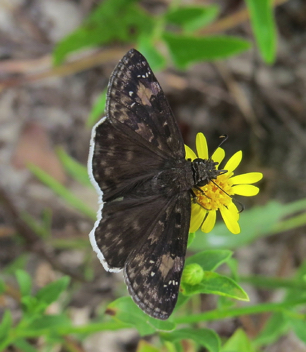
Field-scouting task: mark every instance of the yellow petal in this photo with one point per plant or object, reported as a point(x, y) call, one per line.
point(245, 190)
point(229, 220)
point(248, 178)
point(189, 153)
point(209, 222)
point(201, 144)
point(197, 216)
point(218, 155)
point(233, 162)
point(234, 211)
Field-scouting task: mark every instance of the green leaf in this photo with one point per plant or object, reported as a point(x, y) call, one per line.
point(24, 282)
point(225, 303)
point(299, 328)
point(144, 346)
point(74, 168)
point(190, 49)
point(75, 243)
point(209, 260)
point(232, 263)
point(298, 291)
point(263, 24)
point(117, 21)
point(191, 237)
point(153, 56)
point(5, 327)
point(47, 222)
point(2, 287)
point(51, 292)
point(48, 322)
point(97, 110)
point(214, 283)
point(182, 299)
point(173, 346)
point(19, 263)
point(36, 226)
point(192, 18)
point(204, 337)
point(62, 191)
point(31, 306)
point(24, 346)
point(126, 311)
point(276, 326)
point(239, 342)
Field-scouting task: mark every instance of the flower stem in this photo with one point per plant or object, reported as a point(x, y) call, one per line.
point(235, 312)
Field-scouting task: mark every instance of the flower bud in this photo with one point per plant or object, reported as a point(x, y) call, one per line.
point(193, 274)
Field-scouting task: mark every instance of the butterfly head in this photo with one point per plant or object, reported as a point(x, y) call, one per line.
point(205, 170)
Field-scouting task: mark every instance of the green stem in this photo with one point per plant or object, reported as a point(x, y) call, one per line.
point(289, 224)
point(94, 327)
point(235, 312)
point(85, 329)
point(294, 207)
point(272, 282)
point(62, 191)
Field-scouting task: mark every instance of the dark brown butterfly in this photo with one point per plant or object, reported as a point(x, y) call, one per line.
point(137, 165)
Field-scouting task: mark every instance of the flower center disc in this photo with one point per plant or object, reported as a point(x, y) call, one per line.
point(215, 197)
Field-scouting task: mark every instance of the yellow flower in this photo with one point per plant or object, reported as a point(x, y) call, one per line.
point(217, 195)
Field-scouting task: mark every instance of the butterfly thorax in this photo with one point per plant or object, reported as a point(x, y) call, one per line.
point(176, 177)
point(204, 170)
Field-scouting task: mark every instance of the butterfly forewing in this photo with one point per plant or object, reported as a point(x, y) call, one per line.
point(119, 162)
point(137, 164)
point(136, 100)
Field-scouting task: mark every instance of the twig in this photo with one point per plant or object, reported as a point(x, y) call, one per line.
point(45, 71)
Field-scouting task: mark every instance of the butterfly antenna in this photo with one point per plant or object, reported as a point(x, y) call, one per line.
point(225, 138)
point(234, 199)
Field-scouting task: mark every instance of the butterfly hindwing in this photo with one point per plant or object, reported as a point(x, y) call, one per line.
point(153, 269)
point(136, 100)
point(124, 224)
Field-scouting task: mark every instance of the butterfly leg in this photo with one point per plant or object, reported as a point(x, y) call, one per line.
point(195, 198)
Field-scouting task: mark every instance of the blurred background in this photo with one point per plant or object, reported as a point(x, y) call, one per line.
point(227, 67)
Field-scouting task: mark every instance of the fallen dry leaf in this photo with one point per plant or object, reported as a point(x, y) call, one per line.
point(34, 147)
